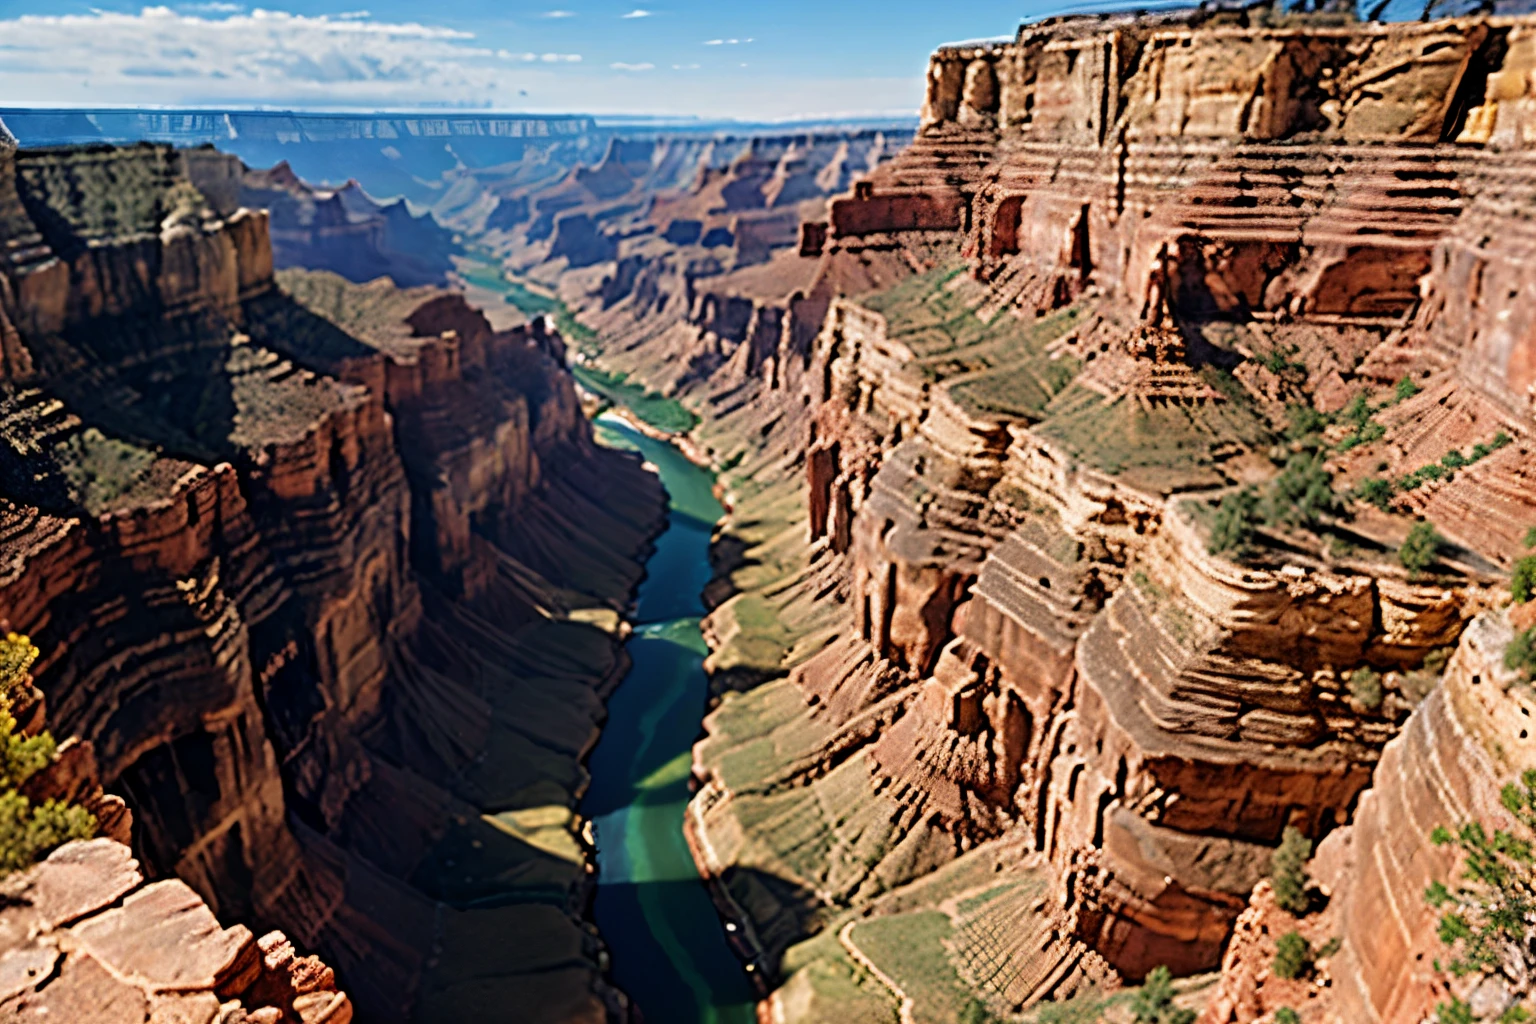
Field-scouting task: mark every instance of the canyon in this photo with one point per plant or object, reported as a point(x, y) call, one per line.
point(1071, 450)
point(1000, 723)
point(329, 577)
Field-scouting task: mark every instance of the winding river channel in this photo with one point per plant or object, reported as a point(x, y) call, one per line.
point(669, 950)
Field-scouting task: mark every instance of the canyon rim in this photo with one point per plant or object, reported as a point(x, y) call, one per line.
point(1063, 561)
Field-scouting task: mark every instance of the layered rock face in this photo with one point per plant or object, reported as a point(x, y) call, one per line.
point(1015, 700)
point(343, 673)
point(343, 230)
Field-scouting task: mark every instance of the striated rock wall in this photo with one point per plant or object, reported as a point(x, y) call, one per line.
point(315, 585)
point(1053, 334)
point(342, 230)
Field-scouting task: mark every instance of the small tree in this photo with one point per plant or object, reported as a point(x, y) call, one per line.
point(1358, 411)
point(1520, 655)
point(1486, 919)
point(1365, 687)
point(1303, 492)
point(1235, 519)
point(1375, 491)
point(1286, 1015)
point(1288, 873)
point(1522, 584)
point(975, 1012)
point(1305, 424)
point(1421, 548)
point(1405, 389)
point(1153, 1003)
point(1293, 956)
point(28, 833)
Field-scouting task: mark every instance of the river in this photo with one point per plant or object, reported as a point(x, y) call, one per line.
point(667, 943)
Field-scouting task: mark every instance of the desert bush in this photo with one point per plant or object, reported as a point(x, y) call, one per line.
point(1293, 956)
point(1421, 548)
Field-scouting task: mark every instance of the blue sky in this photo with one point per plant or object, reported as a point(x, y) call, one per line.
point(750, 60)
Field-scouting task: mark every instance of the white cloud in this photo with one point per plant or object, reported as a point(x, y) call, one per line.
point(638, 12)
point(558, 14)
point(212, 8)
point(547, 58)
point(621, 66)
point(727, 42)
point(159, 55)
point(685, 67)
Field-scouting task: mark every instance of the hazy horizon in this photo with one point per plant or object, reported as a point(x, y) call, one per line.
point(687, 59)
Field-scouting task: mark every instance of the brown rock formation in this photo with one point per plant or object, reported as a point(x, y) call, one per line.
point(341, 230)
point(1054, 333)
point(306, 582)
point(86, 940)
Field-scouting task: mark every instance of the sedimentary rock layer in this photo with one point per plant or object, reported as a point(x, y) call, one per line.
point(316, 585)
point(1129, 266)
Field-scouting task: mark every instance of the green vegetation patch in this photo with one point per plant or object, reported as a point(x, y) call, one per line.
point(1161, 448)
point(998, 365)
point(101, 192)
point(100, 469)
point(910, 950)
point(659, 411)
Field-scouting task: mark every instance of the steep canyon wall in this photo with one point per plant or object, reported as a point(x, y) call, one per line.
point(331, 587)
point(987, 676)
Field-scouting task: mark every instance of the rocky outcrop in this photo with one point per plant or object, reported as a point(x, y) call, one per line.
point(341, 230)
point(317, 586)
point(86, 939)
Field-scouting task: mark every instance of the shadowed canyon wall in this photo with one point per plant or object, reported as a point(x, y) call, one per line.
point(331, 585)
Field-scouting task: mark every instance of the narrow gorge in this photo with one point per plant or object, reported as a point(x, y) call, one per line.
point(859, 576)
point(1074, 456)
point(331, 578)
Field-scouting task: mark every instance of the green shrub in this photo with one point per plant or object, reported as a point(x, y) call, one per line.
point(1084, 1008)
point(976, 1012)
point(1530, 537)
point(1421, 548)
point(1375, 491)
point(1235, 520)
point(1288, 871)
point(1522, 584)
point(1302, 494)
point(17, 655)
point(1365, 687)
point(1454, 1012)
point(1153, 1003)
point(1368, 432)
point(1305, 423)
point(1520, 655)
point(1293, 956)
point(1405, 389)
point(1358, 411)
point(28, 833)
point(1286, 1015)
point(1453, 459)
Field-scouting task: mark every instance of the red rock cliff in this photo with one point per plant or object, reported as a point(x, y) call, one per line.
point(310, 593)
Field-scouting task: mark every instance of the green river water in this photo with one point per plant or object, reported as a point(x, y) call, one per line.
point(668, 946)
point(667, 943)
